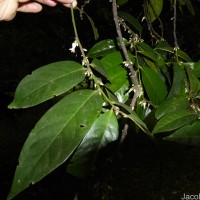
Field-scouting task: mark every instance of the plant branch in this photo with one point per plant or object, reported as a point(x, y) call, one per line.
point(133, 74)
point(174, 31)
point(77, 39)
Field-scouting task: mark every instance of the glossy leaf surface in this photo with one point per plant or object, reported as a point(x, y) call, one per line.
point(170, 105)
point(189, 134)
point(117, 75)
point(195, 66)
point(55, 137)
point(154, 86)
point(103, 48)
point(103, 131)
point(174, 120)
point(46, 82)
point(194, 82)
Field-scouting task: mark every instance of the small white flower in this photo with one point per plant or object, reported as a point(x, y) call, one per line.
point(74, 45)
point(126, 63)
point(143, 103)
point(85, 61)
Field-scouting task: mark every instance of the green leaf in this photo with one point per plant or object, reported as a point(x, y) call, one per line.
point(193, 81)
point(95, 31)
point(154, 86)
point(117, 75)
point(103, 48)
point(134, 117)
point(170, 105)
point(154, 9)
point(121, 2)
point(132, 20)
point(178, 81)
point(174, 120)
point(98, 66)
point(188, 134)
point(195, 66)
point(180, 53)
point(46, 82)
point(103, 131)
point(188, 4)
point(55, 137)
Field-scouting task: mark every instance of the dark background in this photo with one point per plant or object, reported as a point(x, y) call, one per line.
point(140, 170)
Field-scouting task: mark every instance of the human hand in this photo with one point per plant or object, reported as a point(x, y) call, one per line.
point(9, 8)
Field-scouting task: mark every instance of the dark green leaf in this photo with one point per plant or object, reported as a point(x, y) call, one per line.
point(55, 137)
point(132, 20)
point(189, 134)
point(121, 2)
point(174, 120)
point(46, 82)
point(154, 86)
point(154, 9)
point(195, 66)
point(98, 66)
point(180, 53)
point(103, 48)
point(103, 131)
point(134, 117)
point(170, 105)
point(117, 75)
point(178, 81)
point(193, 81)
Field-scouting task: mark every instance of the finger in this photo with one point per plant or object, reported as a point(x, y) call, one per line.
point(74, 4)
point(48, 2)
point(29, 7)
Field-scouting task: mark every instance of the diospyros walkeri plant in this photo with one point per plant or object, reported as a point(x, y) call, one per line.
point(118, 78)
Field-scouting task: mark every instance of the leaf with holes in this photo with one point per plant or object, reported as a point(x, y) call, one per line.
point(103, 131)
point(55, 137)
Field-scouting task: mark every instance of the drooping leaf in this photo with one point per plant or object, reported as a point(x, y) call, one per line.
point(189, 134)
point(46, 82)
point(121, 2)
point(154, 85)
point(178, 81)
point(162, 54)
point(132, 20)
point(98, 66)
point(134, 117)
point(180, 53)
point(174, 120)
point(55, 137)
point(103, 48)
point(103, 131)
point(195, 66)
point(170, 105)
point(194, 83)
point(117, 75)
point(95, 31)
point(188, 4)
point(154, 9)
